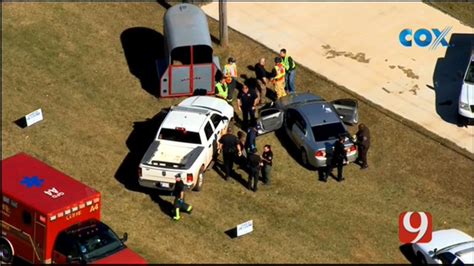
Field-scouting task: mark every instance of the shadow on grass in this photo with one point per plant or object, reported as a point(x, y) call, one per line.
point(448, 77)
point(138, 142)
point(407, 251)
point(219, 168)
point(295, 153)
point(20, 122)
point(142, 48)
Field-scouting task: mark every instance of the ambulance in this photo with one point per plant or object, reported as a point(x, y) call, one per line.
point(49, 217)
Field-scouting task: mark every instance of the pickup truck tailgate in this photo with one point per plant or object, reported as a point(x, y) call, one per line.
point(162, 162)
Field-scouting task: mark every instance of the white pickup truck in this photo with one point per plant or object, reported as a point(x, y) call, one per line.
point(186, 143)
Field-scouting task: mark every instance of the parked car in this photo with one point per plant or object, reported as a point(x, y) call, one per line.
point(312, 124)
point(466, 97)
point(186, 143)
point(446, 247)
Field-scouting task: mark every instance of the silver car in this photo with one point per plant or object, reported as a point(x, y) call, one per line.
point(312, 124)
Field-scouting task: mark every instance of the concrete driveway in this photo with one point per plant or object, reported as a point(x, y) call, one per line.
point(357, 46)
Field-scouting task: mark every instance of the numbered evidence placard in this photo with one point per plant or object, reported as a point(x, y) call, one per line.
point(244, 228)
point(34, 117)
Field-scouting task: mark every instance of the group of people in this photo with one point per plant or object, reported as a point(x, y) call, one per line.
point(242, 150)
point(282, 77)
point(337, 157)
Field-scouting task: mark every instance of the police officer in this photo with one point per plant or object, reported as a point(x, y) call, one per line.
point(229, 146)
point(363, 144)
point(179, 204)
point(251, 140)
point(254, 161)
point(337, 159)
point(247, 102)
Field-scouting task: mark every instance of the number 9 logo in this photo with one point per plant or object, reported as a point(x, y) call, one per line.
point(415, 227)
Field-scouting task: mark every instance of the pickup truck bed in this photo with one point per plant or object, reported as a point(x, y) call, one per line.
point(159, 155)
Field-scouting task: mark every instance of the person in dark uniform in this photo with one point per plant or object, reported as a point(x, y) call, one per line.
point(337, 159)
point(254, 169)
point(247, 102)
point(363, 144)
point(242, 159)
point(179, 204)
point(251, 140)
point(266, 164)
point(229, 146)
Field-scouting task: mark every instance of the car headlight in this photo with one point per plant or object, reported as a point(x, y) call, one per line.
point(464, 106)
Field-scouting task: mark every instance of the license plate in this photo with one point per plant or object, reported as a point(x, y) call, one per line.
point(166, 185)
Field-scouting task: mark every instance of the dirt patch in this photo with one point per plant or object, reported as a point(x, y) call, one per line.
point(409, 72)
point(331, 53)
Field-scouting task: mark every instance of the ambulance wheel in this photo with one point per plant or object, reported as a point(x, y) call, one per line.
point(6, 251)
point(200, 180)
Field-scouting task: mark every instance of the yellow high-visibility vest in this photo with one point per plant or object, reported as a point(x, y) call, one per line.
point(222, 90)
point(286, 63)
point(230, 70)
point(280, 70)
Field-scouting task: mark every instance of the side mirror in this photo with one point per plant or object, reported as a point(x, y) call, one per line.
point(125, 237)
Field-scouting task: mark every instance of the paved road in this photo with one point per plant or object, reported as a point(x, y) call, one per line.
point(357, 46)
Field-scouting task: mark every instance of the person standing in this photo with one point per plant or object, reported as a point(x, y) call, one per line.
point(222, 91)
point(363, 144)
point(254, 169)
point(247, 102)
point(251, 140)
point(230, 73)
point(337, 159)
point(229, 146)
point(290, 67)
point(242, 159)
point(278, 78)
point(262, 80)
point(266, 164)
point(179, 203)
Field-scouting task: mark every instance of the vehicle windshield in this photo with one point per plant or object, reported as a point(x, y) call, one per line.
point(470, 73)
point(454, 246)
point(97, 241)
point(180, 136)
point(328, 131)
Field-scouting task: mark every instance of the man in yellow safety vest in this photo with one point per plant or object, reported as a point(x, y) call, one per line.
point(222, 91)
point(278, 78)
point(230, 73)
point(290, 69)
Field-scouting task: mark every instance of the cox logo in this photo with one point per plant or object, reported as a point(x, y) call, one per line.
point(424, 37)
point(415, 227)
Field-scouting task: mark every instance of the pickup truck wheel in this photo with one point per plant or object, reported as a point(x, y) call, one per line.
point(304, 157)
point(199, 182)
point(6, 252)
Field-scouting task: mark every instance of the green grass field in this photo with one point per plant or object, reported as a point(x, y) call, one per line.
point(69, 60)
